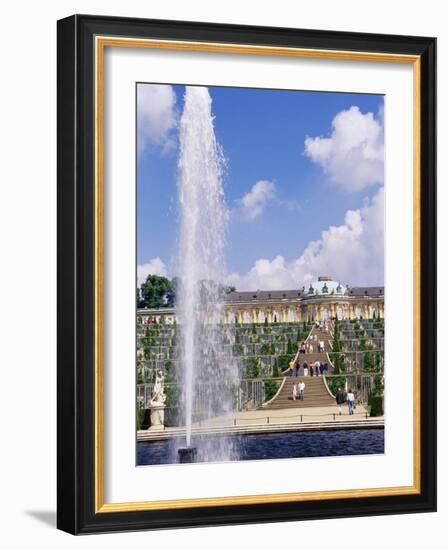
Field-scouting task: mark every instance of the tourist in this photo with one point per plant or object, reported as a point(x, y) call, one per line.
point(351, 401)
point(321, 369)
point(297, 368)
point(302, 390)
point(291, 368)
point(294, 392)
point(317, 368)
point(310, 348)
point(321, 346)
point(305, 369)
point(311, 370)
point(339, 399)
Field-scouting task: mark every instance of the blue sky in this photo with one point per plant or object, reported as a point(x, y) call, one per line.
point(304, 184)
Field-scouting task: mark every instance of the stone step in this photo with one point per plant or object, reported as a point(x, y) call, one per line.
point(316, 394)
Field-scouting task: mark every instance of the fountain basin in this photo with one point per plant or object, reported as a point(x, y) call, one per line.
point(275, 446)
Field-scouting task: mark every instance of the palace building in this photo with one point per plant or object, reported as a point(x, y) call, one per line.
point(322, 299)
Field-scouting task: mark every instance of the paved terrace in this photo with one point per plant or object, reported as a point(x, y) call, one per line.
point(279, 420)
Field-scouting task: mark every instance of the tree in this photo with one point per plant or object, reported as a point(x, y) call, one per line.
point(289, 349)
point(171, 293)
point(156, 291)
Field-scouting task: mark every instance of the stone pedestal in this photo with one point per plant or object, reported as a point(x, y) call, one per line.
point(157, 417)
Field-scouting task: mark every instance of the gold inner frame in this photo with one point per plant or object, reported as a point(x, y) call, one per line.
point(101, 42)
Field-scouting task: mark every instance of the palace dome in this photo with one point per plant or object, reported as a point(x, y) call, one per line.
point(325, 286)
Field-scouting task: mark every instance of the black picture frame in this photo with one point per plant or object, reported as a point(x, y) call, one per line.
point(76, 285)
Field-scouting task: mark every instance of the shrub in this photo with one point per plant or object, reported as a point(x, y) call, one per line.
point(265, 349)
point(252, 369)
point(336, 382)
point(169, 371)
point(375, 403)
point(270, 388)
point(238, 349)
point(143, 418)
point(172, 396)
point(283, 362)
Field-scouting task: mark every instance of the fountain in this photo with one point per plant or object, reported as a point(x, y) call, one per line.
point(209, 374)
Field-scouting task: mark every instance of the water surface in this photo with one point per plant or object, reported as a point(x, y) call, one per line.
point(282, 445)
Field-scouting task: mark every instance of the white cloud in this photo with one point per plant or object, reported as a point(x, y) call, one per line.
point(255, 201)
point(157, 116)
point(265, 275)
point(352, 252)
point(353, 156)
point(154, 267)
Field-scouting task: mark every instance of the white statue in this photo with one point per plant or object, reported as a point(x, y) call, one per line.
point(157, 403)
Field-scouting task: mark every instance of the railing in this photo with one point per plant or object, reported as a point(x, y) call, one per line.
point(173, 419)
point(267, 419)
point(250, 394)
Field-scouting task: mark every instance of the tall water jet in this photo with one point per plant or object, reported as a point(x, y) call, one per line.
point(209, 373)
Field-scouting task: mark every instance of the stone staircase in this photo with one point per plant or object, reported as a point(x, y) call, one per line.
point(316, 393)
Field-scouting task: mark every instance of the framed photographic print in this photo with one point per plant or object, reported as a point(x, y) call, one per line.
point(246, 274)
